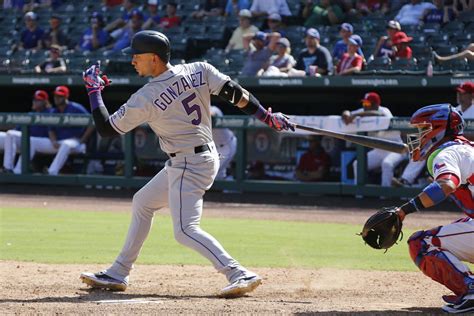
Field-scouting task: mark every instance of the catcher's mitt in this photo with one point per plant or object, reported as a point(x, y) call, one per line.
point(381, 231)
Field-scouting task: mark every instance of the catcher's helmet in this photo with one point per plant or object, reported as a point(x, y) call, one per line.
point(434, 123)
point(149, 41)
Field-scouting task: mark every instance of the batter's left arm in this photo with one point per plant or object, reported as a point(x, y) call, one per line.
point(94, 85)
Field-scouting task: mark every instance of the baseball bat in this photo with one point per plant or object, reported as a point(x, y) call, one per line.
point(366, 141)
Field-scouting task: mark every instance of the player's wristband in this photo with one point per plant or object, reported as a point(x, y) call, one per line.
point(435, 192)
point(95, 99)
point(412, 206)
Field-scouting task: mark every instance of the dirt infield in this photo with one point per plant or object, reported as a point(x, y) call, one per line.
point(31, 288)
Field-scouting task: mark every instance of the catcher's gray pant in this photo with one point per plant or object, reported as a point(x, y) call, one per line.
point(180, 185)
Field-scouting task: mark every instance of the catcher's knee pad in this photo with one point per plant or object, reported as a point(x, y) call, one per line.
point(425, 251)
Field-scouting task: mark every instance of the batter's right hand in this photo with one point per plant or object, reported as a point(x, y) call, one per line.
point(278, 121)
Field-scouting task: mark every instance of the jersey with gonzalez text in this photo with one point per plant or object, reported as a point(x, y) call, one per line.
point(176, 106)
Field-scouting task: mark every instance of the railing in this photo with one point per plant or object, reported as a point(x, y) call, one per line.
point(239, 124)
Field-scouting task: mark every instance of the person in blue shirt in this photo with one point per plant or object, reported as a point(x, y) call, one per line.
point(60, 140)
point(151, 17)
point(128, 7)
point(128, 31)
point(94, 37)
point(233, 7)
point(345, 31)
point(40, 105)
point(66, 140)
point(31, 36)
point(441, 14)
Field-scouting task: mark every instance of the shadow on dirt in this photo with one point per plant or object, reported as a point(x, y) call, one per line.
point(406, 311)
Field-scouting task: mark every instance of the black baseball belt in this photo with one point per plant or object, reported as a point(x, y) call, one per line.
point(197, 150)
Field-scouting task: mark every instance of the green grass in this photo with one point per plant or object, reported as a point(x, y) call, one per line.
point(54, 236)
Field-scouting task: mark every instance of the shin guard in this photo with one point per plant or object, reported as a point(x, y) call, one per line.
point(438, 264)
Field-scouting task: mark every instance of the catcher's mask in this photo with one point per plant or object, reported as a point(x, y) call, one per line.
point(434, 123)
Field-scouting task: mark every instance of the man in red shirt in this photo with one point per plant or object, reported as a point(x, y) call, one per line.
point(400, 46)
point(171, 19)
point(314, 164)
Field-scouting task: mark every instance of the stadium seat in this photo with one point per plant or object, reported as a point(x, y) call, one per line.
point(453, 26)
point(378, 65)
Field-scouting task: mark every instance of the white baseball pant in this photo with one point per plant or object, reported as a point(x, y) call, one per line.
point(180, 185)
point(2, 140)
point(41, 145)
point(226, 154)
point(413, 170)
point(381, 158)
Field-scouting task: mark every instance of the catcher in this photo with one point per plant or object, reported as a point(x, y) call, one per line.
point(437, 252)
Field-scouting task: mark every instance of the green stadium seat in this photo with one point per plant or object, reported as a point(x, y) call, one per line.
point(453, 26)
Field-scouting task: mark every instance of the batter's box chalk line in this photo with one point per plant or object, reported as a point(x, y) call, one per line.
point(130, 301)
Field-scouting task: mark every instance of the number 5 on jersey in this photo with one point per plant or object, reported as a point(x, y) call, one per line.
point(189, 107)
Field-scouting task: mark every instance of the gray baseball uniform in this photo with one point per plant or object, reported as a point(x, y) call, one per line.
point(176, 106)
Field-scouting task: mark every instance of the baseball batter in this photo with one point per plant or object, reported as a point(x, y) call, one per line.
point(226, 144)
point(439, 252)
point(176, 106)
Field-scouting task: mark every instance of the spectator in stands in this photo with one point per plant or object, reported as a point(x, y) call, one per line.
point(54, 64)
point(30, 38)
point(366, 7)
point(226, 145)
point(171, 19)
point(66, 140)
point(245, 27)
point(33, 5)
point(314, 163)
point(111, 3)
point(233, 7)
point(152, 17)
point(95, 36)
point(259, 48)
point(400, 46)
point(468, 53)
point(465, 99)
point(371, 106)
point(55, 35)
point(351, 61)
point(40, 104)
point(267, 7)
point(128, 7)
point(280, 64)
point(412, 13)
point(274, 24)
point(345, 31)
point(16, 5)
point(441, 14)
point(135, 25)
point(325, 13)
point(384, 45)
point(210, 8)
point(315, 59)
